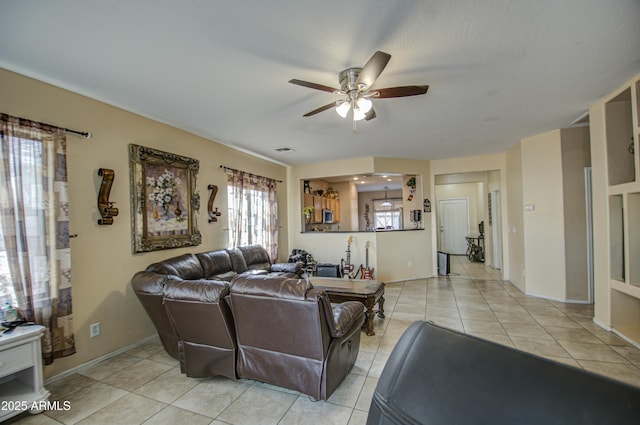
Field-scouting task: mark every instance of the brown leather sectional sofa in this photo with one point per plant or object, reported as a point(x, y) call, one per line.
point(233, 313)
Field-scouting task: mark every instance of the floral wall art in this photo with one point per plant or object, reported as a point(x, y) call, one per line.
point(164, 188)
point(164, 200)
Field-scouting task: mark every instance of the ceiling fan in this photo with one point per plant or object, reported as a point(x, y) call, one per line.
point(355, 86)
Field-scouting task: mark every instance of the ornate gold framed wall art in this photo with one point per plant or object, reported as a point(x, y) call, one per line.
point(164, 200)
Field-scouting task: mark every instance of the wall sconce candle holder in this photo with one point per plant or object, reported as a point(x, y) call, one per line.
point(106, 208)
point(213, 214)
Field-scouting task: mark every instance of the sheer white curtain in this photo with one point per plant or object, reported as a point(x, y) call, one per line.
point(387, 216)
point(253, 211)
point(35, 257)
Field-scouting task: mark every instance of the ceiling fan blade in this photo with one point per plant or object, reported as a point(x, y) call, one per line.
point(370, 115)
point(401, 91)
point(320, 109)
point(314, 86)
point(373, 68)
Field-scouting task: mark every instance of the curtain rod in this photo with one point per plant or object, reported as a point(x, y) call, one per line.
point(84, 134)
point(253, 175)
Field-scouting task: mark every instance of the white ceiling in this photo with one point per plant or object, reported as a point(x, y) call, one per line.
point(498, 70)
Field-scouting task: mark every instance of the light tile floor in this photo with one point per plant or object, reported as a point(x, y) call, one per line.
point(144, 385)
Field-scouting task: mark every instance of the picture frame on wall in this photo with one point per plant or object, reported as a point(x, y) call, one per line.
point(164, 200)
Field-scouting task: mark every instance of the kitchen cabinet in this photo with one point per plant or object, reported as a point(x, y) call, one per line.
point(320, 203)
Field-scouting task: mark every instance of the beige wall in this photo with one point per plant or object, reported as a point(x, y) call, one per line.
point(544, 226)
point(514, 226)
point(102, 262)
point(546, 213)
point(403, 255)
point(575, 157)
point(601, 265)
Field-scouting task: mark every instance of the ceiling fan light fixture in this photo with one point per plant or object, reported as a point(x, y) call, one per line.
point(343, 109)
point(358, 114)
point(364, 105)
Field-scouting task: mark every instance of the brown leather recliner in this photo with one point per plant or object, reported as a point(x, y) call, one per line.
point(202, 320)
point(149, 288)
point(289, 335)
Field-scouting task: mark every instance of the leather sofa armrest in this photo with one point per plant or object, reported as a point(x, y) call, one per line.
point(149, 282)
point(295, 268)
point(345, 315)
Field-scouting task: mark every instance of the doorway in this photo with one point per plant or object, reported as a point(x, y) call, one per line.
point(453, 215)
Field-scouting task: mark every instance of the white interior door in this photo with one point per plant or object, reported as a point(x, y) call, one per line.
point(454, 225)
point(496, 230)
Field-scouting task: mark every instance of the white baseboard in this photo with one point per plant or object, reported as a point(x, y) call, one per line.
point(561, 300)
point(626, 338)
point(407, 280)
point(602, 325)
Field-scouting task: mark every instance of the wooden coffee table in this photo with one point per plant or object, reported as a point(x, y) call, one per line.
point(368, 292)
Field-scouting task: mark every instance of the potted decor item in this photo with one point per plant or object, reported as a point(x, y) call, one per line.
point(412, 184)
point(307, 211)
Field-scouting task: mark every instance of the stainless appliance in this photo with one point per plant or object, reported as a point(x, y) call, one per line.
point(327, 216)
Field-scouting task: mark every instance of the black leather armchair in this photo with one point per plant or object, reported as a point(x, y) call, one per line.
point(438, 376)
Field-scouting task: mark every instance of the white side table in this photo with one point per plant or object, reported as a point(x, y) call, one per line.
point(21, 383)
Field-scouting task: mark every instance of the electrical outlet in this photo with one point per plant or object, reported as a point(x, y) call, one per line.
point(94, 329)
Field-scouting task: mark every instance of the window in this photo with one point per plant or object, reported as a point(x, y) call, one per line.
point(35, 256)
point(387, 216)
point(28, 160)
point(253, 211)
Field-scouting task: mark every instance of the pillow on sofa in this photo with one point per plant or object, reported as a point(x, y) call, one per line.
point(237, 260)
point(216, 264)
point(256, 257)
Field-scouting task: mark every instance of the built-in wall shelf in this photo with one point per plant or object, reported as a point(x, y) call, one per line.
point(625, 315)
point(623, 188)
point(637, 103)
point(619, 127)
point(633, 241)
point(622, 134)
point(630, 290)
